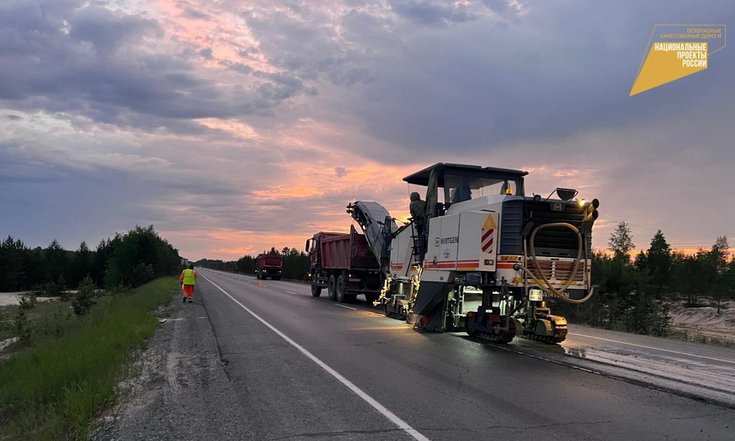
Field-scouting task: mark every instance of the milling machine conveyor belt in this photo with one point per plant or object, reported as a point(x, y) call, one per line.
point(371, 216)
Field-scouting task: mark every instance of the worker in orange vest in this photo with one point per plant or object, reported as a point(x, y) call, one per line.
point(188, 279)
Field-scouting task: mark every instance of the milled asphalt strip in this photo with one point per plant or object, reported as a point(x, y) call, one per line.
point(351, 386)
point(627, 379)
point(655, 349)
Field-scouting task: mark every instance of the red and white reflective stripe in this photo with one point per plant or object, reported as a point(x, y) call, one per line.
point(449, 264)
point(488, 237)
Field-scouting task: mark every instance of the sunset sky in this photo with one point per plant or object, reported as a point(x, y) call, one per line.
point(234, 126)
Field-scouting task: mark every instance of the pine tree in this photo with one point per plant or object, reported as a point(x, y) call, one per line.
point(621, 241)
point(659, 261)
point(719, 270)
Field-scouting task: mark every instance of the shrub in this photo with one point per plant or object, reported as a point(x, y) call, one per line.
point(142, 273)
point(22, 327)
point(52, 289)
point(27, 300)
point(82, 300)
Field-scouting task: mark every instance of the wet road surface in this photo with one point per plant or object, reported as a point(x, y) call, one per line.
point(309, 368)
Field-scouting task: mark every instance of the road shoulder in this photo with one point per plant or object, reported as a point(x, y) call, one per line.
point(178, 388)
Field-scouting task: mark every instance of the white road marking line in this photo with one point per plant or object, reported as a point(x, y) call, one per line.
point(654, 348)
point(345, 306)
point(182, 318)
point(290, 292)
point(415, 434)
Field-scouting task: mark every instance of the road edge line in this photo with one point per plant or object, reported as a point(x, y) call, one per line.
point(415, 434)
point(346, 307)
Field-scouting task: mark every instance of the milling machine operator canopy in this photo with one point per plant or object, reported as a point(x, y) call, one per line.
point(464, 182)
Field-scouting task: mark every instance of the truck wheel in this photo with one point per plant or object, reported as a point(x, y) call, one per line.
point(332, 288)
point(316, 291)
point(342, 295)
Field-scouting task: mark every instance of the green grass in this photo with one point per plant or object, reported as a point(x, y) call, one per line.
point(46, 318)
point(53, 389)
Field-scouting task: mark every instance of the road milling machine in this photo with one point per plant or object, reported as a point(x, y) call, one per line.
point(486, 258)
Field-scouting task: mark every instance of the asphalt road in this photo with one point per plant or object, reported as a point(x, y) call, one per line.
point(307, 368)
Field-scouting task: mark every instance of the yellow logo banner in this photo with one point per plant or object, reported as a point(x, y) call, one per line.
point(677, 51)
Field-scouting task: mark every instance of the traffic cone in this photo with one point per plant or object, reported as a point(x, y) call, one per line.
point(260, 284)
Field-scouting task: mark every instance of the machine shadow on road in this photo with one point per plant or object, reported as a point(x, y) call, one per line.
point(519, 344)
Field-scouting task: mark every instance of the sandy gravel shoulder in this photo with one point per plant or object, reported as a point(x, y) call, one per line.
point(178, 389)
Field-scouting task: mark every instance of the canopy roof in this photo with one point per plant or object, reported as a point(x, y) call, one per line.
point(471, 171)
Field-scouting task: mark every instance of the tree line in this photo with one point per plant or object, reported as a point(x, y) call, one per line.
point(125, 260)
point(633, 293)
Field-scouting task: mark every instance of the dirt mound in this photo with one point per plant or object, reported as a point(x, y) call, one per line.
point(705, 321)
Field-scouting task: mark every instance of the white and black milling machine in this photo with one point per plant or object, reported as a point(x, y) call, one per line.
point(490, 258)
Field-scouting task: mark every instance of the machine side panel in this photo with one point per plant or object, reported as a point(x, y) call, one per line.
point(400, 248)
point(443, 243)
point(432, 246)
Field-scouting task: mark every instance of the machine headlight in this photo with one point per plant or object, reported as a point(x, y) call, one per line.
point(566, 194)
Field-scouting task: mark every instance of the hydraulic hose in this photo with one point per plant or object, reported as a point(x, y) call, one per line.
point(544, 283)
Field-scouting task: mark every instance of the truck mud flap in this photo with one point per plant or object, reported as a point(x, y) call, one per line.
point(431, 295)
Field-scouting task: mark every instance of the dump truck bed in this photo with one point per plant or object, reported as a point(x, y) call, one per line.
point(269, 261)
point(347, 251)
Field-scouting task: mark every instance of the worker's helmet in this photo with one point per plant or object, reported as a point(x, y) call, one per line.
point(415, 196)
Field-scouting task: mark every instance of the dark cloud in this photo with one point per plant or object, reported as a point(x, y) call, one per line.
point(293, 41)
point(108, 30)
point(508, 9)
point(21, 167)
point(433, 12)
point(197, 15)
point(238, 67)
point(77, 58)
point(193, 129)
point(477, 86)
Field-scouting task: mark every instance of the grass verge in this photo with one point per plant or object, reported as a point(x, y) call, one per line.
point(46, 318)
point(53, 389)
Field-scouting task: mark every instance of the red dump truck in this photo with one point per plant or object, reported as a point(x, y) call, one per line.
point(268, 265)
point(344, 264)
